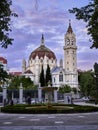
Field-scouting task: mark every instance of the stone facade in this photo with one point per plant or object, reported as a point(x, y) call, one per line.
point(62, 74)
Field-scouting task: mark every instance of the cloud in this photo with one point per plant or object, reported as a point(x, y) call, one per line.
point(52, 20)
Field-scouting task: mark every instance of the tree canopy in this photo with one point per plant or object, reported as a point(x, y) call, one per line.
point(87, 83)
point(89, 14)
point(5, 22)
point(96, 69)
point(65, 89)
point(3, 74)
point(42, 77)
point(16, 80)
point(48, 76)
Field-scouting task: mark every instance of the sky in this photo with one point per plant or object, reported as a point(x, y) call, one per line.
point(51, 18)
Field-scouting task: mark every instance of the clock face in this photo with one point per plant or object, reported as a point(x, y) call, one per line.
point(72, 41)
point(68, 41)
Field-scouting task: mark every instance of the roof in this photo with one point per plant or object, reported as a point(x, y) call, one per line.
point(57, 69)
point(28, 72)
point(16, 73)
point(69, 30)
point(3, 60)
point(42, 51)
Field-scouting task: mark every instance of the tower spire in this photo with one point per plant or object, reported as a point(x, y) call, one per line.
point(42, 40)
point(69, 28)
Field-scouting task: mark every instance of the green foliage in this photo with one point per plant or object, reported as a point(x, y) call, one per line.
point(42, 78)
point(3, 74)
point(43, 109)
point(48, 76)
point(96, 79)
point(5, 22)
point(96, 69)
point(87, 84)
point(89, 14)
point(65, 89)
point(74, 90)
point(26, 82)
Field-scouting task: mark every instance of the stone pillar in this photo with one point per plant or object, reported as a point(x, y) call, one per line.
point(4, 94)
point(55, 96)
point(67, 98)
point(20, 93)
point(39, 93)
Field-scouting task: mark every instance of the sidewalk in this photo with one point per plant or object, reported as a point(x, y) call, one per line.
point(85, 104)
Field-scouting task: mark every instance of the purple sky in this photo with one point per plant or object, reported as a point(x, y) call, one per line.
point(52, 19)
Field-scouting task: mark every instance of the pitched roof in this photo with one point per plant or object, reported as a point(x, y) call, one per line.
point(28, 72)
point(3, 60)
point(16, 73)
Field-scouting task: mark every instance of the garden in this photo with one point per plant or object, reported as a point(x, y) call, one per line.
point(47, 108)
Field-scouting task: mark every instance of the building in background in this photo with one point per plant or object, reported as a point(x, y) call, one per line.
point(3, 62)
point(65, 73)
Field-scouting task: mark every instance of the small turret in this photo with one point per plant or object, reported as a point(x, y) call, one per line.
point(23, 65)
point(61, 63)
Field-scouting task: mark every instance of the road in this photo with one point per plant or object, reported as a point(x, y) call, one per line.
point(80, 121)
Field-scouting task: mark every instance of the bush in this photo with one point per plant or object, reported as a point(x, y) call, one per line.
point(44, 109)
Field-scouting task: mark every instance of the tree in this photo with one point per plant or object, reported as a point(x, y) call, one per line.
point(48, 75)
point(96, 79)
point(87, 84)
point(3, 74)
point(89, 14)
point(5, 22)
point(65, 89)
point(26, 82)
point(96, 69)
point(42, 78)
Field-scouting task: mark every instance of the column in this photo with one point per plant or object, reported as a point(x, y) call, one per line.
point(39, 93)
point(20, 93)
point(4, 94)
point(55, 96)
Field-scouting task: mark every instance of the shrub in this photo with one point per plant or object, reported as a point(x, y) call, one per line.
point(43, 109)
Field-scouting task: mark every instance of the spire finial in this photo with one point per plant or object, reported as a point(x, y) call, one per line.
point(69, 28)
point(69, 22)
point(42, 40)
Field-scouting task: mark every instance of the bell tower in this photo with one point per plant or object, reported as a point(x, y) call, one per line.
point(70, 56)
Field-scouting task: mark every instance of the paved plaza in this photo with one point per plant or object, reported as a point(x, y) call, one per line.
point(87, 127)
point(79, 121)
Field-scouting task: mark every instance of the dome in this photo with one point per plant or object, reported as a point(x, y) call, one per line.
point(42, 51)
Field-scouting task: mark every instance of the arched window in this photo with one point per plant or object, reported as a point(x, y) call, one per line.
point(61, 77)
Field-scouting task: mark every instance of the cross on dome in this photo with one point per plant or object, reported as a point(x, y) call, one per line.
point(42, 40)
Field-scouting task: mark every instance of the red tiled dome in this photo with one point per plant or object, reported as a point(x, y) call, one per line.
point(41, 52)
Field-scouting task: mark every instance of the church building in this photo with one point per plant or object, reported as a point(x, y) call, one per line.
point(64, 74)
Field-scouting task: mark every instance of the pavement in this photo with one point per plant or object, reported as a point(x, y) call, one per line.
point(79, 121)
point(87, 127)
point(86, 104)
